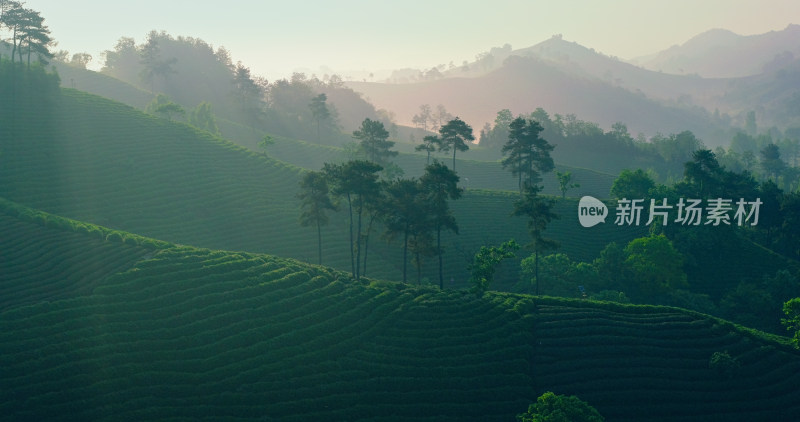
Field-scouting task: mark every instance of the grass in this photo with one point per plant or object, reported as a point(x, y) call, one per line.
point(183, 333)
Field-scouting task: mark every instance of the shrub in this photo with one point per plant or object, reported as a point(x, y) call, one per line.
point(114, 237)
point(724, 364)
point(550, 407)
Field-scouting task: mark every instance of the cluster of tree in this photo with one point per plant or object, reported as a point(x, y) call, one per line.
point(27, 89)
point(201, 116)
point(704, 177)
point(528, 157)
point(190, 72)
point(29, 36)
point(646, 270)
point(768, 159)
point(585, 144)
point(686, 265)
point(485, 263)
point(455, 135)
point(428, 120)
point(415, 210)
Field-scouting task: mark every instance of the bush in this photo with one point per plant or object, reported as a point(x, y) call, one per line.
point(550, 407)
point(724, 364)
point(114, 237)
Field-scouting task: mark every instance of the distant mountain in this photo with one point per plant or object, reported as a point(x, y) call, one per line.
point(721, 53)
point(560, 83)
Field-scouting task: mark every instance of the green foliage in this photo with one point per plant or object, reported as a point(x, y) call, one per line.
point(374, 141)
point(405, 213)
point(550, 407)
point(203, 118)
point(656, 267)
point(792, 321)
point(29, 34)
point(357, 181)
point(528, 154)
point(540, 213)
point(724, 364)
point(565, 182)
point(771, 161)
point(485, 263)
point(319, 110)
point(610, 296)
point(632, 185)
point(455, 136)
point(154, 64)
point(164, 107)
point(429, 145)
point(439, 185)
point(266, 142)
point(559, 273)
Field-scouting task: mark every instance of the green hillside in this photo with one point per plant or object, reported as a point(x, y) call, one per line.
point(45, 257)
point(106, 163)
point(477, 172)
point(194, 334)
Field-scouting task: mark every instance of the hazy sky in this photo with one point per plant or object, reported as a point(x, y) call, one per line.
point(274, 38)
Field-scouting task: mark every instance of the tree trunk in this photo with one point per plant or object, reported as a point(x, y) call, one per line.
point(358, 238)
point(419, 269)
point(439, 252)
point(352, 258)
point(405, 252)
point(536, 268)
point(13, 47)
point(454, 158)
point(319, 243)
point(366, 242)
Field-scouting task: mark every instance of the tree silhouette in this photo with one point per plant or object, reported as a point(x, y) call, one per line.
point(528, 154)
point(314, 203)
point(357, 181)
point(319, 110)
point(405, 213)
point(539, 212)
point(454, 136)
point(439, 185)
point(375, 141)
point(154, 64)
point(565, 182)
point(429, 145)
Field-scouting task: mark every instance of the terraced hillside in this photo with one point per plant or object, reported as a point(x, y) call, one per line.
point(45, 257)
point(196, 334)
point(106, 163)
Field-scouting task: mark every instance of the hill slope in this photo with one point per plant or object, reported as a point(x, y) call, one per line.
point(103, 162)
point(196, 334)
point(525, 83)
